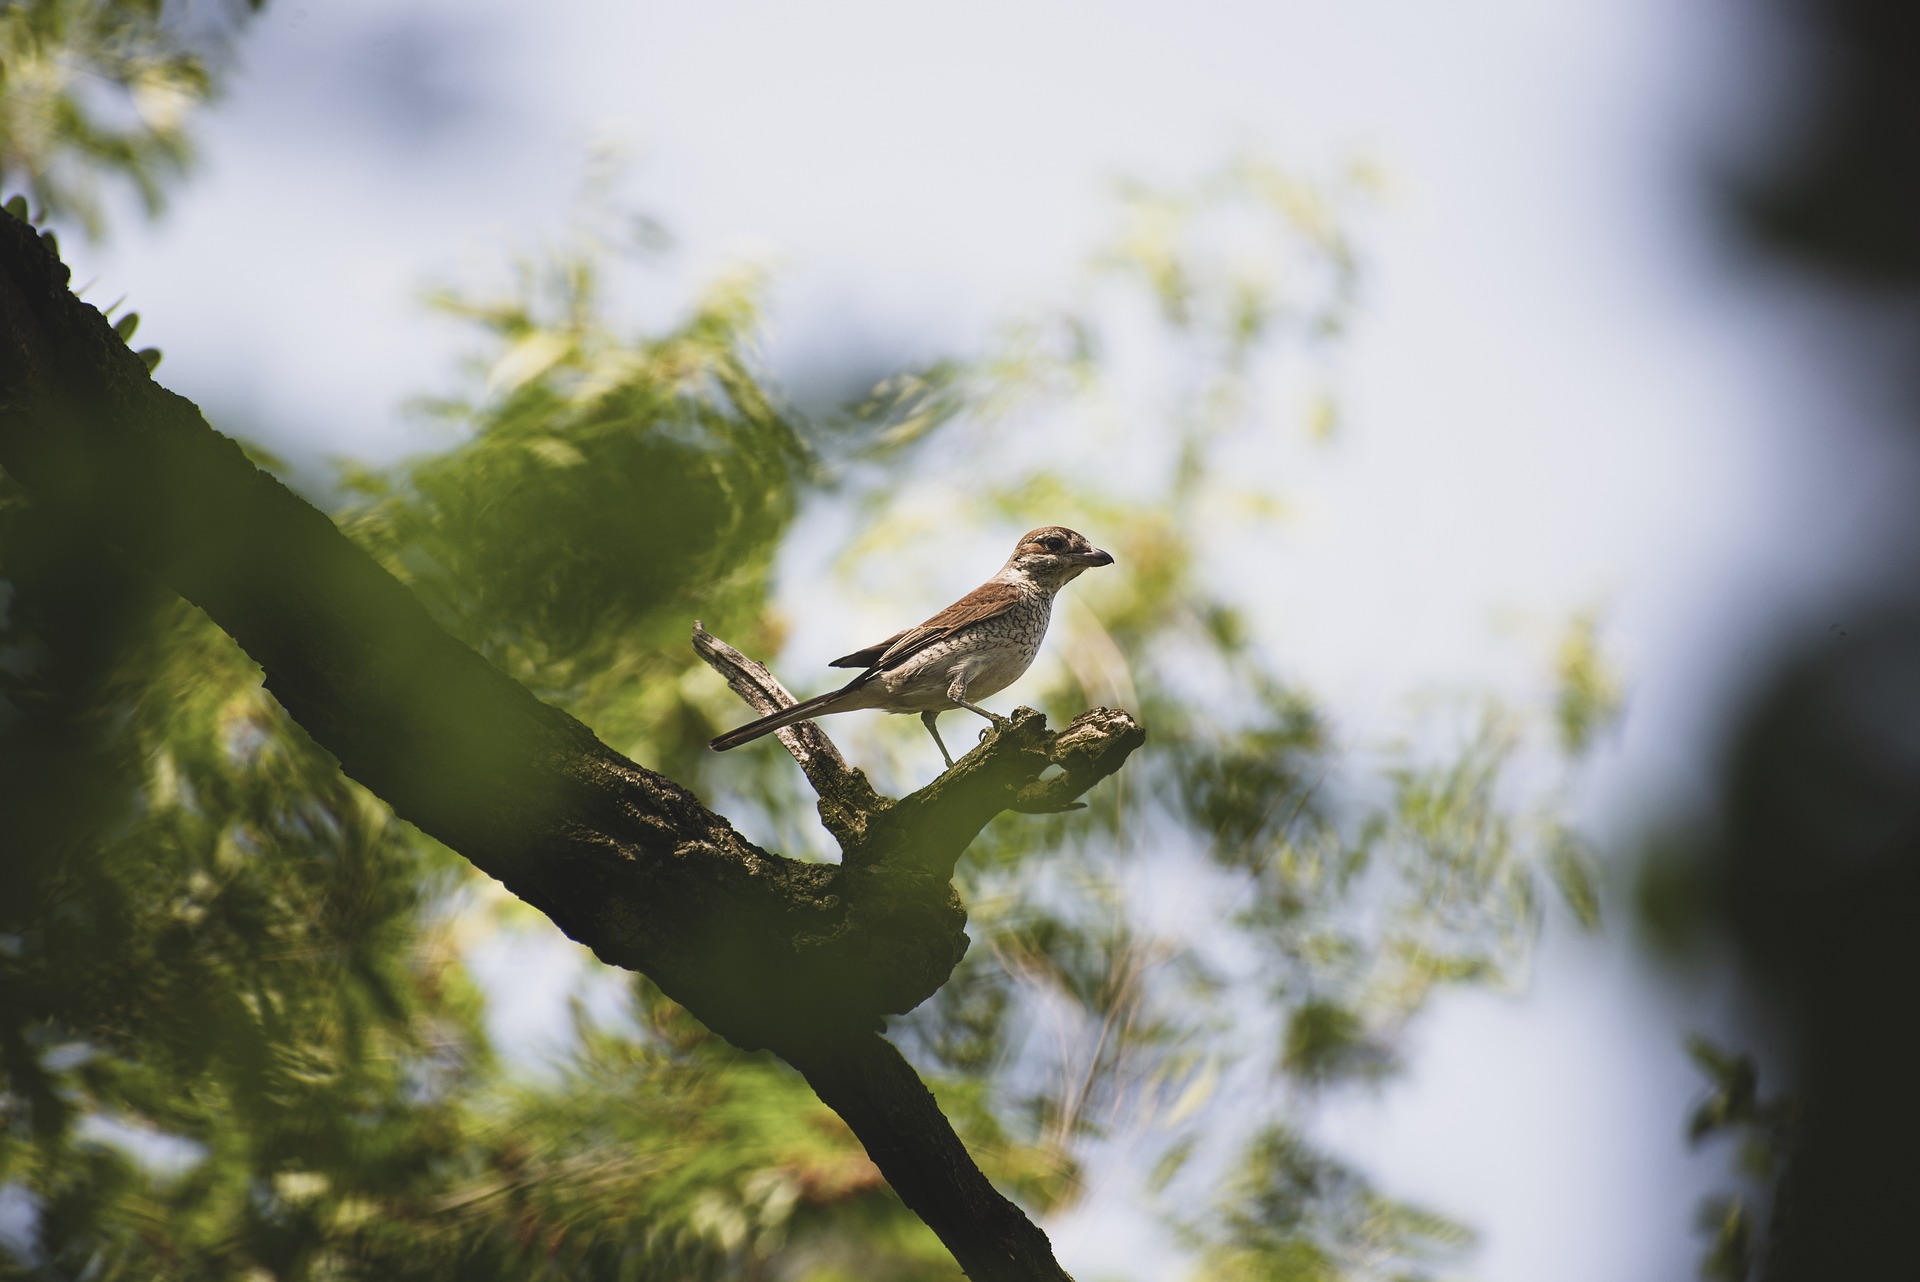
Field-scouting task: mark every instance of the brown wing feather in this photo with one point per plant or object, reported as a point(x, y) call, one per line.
point(983, 602)
point(868, 657)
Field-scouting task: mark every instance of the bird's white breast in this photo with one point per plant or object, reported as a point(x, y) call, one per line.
point(991, 654)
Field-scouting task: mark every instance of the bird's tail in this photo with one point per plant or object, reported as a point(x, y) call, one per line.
point(806, 709)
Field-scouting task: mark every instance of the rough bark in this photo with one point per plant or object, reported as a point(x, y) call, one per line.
point(801, 958)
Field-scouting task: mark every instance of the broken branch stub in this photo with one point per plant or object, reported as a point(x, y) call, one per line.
point(847, 800)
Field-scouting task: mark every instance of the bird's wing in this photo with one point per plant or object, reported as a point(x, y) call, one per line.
point(868, 657)
point(983, 602)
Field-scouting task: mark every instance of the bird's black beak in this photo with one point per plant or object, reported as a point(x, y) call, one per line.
point(1093, 558)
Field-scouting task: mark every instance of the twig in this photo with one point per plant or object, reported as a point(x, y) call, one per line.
point(825, 768)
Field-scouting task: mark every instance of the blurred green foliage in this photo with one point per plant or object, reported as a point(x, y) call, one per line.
point(239, 1039)
point(98, 90)
point(215, 966)
point(238, 1032)
point(1762, 1131)
point(606, 491)
point(1590, 696)
point(1290, 1214)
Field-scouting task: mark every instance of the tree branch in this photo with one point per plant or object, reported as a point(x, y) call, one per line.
point(767, 951)
point(847, 800)
point(865, 1080)
point(931, 828)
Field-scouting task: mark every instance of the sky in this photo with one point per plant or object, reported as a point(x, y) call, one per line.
point(1569, 386)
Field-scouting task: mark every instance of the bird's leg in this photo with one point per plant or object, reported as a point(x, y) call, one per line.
point(958, 693)
point(927, 719)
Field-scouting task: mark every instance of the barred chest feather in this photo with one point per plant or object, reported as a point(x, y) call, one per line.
point(992, 654)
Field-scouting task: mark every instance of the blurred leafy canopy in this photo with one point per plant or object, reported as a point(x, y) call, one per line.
point(1290, 1214)
point(239, 1037)
point(1762, 1129)
point(100, 90)
point(236, 1025)
point(607, 490)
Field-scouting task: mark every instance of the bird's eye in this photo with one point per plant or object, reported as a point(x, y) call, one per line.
point(1054, 543)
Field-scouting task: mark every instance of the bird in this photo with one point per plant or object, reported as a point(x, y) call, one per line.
point(976, 647)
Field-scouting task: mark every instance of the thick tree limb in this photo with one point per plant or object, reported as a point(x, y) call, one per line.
point(768, 951)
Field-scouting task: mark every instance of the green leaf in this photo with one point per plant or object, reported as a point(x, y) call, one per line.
point(1589, 697)
point(1325, 1040)
point(1575, 871)
point(1170, 1164)
point(1735, 1098)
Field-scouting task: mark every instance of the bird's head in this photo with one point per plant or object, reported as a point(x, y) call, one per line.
point(1053, 556)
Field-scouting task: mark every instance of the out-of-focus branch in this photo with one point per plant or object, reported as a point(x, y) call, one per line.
point(864, 1079)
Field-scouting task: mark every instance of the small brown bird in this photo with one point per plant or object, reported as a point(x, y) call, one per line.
point(975, 647)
